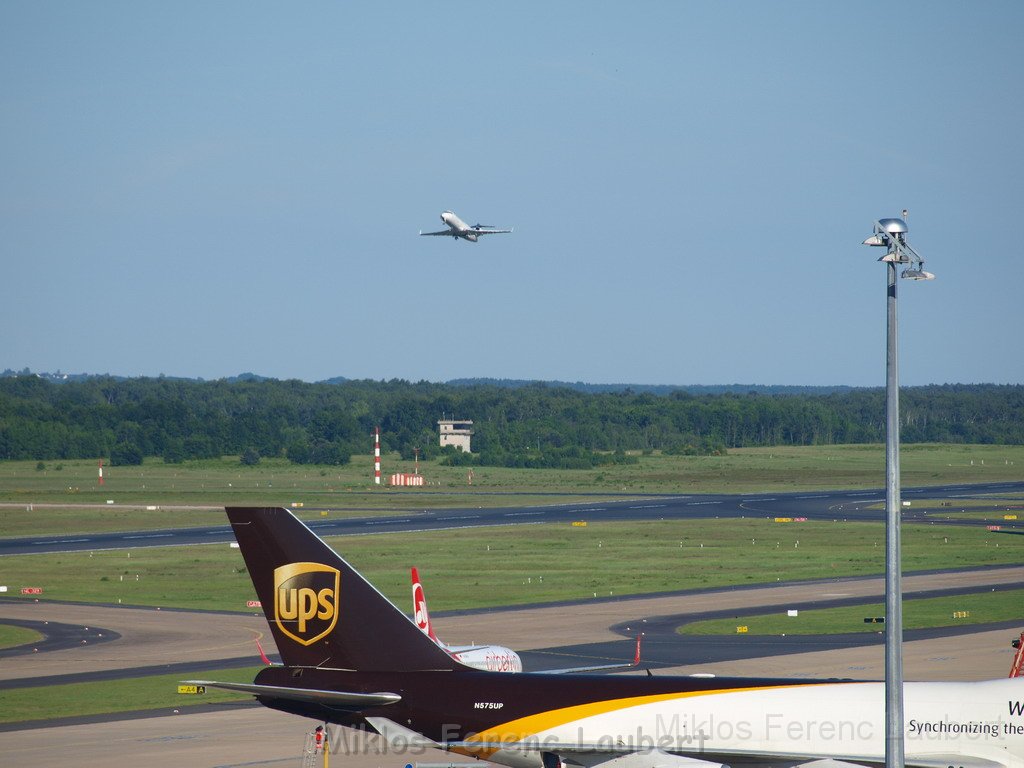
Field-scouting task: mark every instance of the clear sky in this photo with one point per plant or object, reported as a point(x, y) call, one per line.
point(205, 188)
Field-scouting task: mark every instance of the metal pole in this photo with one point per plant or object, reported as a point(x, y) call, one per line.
point(894, 754)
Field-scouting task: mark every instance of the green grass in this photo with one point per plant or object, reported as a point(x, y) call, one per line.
point(11, 636)
point(124, 695)
point(194, 493)
point(496, 566)
point(984, 607)
point(277, 481)
point(487, 567)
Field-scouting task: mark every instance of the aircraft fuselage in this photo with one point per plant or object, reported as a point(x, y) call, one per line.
point(706, 717)
point(458, 227)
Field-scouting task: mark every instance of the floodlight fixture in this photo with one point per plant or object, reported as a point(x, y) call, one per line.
point(917, 274)
point(891, 234)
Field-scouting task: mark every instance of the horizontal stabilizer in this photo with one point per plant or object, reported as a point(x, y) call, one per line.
point(347, 699)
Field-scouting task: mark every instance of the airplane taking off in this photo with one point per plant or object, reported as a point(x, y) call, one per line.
point(495, 658)
point(458, 228)
point(351, 657)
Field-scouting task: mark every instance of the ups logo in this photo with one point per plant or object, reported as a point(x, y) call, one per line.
point(306, 600)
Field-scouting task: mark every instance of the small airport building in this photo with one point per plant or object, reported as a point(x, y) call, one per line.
point(456, 432)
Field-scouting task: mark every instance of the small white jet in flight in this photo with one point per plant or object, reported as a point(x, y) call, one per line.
point(458, 228)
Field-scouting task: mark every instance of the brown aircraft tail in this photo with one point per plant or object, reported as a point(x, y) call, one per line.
point(321, 611)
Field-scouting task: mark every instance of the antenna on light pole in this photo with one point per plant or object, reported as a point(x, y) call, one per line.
point(892, 235)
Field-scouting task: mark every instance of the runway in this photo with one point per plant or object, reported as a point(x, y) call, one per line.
point(823, 505)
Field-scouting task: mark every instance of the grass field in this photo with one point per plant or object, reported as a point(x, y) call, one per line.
point(496, 566)
point(11, 636)
point(153, 692)
point(70, 501)
point(983, 607)
point(276, 481)
point(471, 568)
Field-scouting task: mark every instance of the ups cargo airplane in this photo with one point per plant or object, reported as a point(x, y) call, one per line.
point(458, 228)
point(352, 658)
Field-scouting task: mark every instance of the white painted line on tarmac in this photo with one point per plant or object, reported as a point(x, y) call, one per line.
point(62, 541)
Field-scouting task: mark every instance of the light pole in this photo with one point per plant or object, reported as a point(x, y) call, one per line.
point(892, 235)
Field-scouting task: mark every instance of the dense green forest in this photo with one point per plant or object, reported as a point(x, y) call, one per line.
point(529, 425)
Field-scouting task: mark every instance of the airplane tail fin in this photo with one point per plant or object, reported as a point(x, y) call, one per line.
point(321, 611)
point(419, 607)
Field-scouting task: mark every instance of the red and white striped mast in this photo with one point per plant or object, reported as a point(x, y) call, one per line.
point(376, 455)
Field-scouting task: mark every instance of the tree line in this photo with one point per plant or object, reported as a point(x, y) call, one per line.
point(533, 425)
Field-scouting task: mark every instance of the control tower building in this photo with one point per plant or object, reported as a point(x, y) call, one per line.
point(456, 432)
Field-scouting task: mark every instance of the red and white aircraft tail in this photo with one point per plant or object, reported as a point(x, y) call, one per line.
point(493, 658)
point(419, 608)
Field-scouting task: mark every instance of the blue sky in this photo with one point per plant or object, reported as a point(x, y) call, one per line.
point(202, 189)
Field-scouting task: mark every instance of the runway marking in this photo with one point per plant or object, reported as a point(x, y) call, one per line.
point(648, 506)
point(701, 503)
point(812, 497)
point(385, 522)
point(150, 536)
point(869, 493)
point(748, 501)
point(61, 541)
point(458, 517)
point(521, 514)
point(441, 528)
point(593, 509)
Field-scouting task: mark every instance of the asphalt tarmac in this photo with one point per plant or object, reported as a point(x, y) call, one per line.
point(822, 505)
point(87, 642)
point(253, 736)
